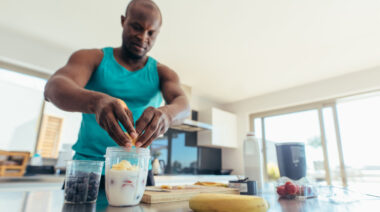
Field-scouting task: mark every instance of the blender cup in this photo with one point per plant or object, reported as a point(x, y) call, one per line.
point(82, 181)
point(126, 174)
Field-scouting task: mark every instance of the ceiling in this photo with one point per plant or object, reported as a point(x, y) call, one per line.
point(226, 50)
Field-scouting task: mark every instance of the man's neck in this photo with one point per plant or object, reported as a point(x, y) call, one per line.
point(131, 62)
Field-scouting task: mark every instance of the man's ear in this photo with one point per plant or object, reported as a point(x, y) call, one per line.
point(122, 18)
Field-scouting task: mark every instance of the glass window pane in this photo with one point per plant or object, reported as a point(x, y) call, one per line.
point(183, 158)
point(297, 127)
point(159, 150)
point(258, 129)
point(22, 97)
point(359, 121)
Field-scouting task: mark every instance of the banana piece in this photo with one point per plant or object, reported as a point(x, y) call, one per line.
point(124, 165)
point(227, 203)
point(132, 139)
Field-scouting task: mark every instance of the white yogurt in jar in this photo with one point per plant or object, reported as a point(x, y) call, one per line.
point(125, 187)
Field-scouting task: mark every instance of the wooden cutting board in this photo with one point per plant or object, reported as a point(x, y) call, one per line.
point(183, 194)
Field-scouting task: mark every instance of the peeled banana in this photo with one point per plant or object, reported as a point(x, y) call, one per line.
point(206, 202)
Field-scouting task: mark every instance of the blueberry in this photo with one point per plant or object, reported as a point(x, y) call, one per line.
point(69, 197)
point(92, 175)
point(77, 198)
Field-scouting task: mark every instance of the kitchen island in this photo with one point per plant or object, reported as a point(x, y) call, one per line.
point(330, 199)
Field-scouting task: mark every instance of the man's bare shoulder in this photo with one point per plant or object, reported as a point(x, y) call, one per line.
point(87, 56)
point(166, 73)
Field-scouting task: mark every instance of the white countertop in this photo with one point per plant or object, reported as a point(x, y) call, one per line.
point(51, 182)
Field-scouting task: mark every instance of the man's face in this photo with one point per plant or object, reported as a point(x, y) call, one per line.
point(140, 29)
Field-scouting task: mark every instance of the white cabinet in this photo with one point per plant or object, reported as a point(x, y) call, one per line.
point(224, 129)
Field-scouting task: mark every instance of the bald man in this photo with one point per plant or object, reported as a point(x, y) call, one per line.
point(119, 90)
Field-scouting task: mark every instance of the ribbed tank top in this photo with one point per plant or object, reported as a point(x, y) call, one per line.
point(138, 89)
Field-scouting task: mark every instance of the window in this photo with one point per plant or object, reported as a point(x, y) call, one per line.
point(22, 111)
point(359, 119)
point(22, 98)
point(341, 138)
point(300, 127)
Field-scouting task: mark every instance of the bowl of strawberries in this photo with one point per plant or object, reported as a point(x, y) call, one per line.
point(300, 189)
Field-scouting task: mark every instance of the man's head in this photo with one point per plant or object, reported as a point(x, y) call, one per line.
point(141, 25)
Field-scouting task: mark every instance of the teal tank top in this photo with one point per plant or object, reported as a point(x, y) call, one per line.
point(138, 89)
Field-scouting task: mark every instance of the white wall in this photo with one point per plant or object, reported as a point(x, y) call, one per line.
point(70, 126)
point(357, 82)
point(30, 50)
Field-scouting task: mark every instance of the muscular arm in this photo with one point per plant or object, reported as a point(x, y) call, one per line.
point(156, 121)
point(177, 106)
point(65, 89)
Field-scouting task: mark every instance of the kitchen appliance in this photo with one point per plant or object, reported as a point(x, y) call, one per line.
point(191, 124)
point(126, 175)
point(291, 160)
point(82, 181)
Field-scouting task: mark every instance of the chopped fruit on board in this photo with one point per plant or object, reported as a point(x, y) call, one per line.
point(211, 184)
point(166, 187)
point(171, 187)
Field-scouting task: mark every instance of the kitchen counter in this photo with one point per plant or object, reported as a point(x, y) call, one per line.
point(330, 199)
point(54, 182)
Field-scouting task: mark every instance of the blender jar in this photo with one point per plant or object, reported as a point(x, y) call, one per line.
point(82, 181)
point(126, 174)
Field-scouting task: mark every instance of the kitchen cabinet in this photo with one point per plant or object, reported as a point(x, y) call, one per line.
point(224, 129)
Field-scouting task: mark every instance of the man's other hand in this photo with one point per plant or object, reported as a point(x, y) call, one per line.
point(152, 123)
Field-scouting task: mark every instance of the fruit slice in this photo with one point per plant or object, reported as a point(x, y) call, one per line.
point(132, 139)
point(211, 184)
point(166, 187)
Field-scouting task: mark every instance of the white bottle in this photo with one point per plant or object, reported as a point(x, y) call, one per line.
point(252, 160)
point(36, 160)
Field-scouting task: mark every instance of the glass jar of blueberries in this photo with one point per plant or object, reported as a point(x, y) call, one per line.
point(82, 181)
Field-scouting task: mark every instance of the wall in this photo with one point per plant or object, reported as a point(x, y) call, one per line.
point(16, 46)
point(353, 83)
point(70, 126)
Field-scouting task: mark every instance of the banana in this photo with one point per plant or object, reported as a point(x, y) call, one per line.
point(132, 139)
point(206, 202)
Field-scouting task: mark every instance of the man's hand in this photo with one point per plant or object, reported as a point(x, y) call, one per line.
point(109, 112)
point(152, 123)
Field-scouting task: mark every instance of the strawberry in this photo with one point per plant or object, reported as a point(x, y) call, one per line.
point(299, 191)
point(281, 190)
point(288, 183)
point(290, 188)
